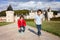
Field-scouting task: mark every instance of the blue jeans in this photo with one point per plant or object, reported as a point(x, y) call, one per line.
point(21, 29)
point(39, 29)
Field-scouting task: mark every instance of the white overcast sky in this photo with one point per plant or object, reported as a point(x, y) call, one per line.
point(30, 4)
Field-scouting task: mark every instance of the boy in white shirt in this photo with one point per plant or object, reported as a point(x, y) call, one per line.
point(38, 21)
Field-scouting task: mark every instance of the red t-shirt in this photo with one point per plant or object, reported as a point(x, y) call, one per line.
point(21, 23)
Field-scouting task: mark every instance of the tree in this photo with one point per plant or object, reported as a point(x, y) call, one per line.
point(19, 12)
point(2, 13)
point(16, 12)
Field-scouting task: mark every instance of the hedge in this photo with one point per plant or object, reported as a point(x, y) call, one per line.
point(55, 19)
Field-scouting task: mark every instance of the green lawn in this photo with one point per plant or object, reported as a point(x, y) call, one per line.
point(52, 26)
point(4, 23)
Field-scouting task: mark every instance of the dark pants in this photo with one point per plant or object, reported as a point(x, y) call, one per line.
point(22, 30)
point(39, 29)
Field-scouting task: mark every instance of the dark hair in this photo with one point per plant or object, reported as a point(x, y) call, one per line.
point(39, 10)
point(21, 16)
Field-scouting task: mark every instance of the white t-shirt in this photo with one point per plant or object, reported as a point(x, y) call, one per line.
point(38, 19)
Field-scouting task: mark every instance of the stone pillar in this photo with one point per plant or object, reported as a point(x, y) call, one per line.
point(50, 15)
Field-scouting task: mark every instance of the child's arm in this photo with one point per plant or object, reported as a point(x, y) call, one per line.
point(18, 24)
point(24, 23)
point(34, 19)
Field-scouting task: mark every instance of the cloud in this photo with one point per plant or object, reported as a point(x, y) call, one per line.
point(26, 5)
point(33, 0)
point(53, 4)
point(30, 5)
point(38, 5)
point(3, 7)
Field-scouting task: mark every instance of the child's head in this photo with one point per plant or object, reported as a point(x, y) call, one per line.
point(39, 11)
point(21, 17)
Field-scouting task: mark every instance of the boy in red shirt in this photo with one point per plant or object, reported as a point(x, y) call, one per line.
point(21, 24)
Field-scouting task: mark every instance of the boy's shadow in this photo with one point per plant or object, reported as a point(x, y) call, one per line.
point(31, 30)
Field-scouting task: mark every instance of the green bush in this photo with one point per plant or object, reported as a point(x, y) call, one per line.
point(55, 19)
point(19, 12)
point(29, 19)
point(16, 12)
point(2, 13)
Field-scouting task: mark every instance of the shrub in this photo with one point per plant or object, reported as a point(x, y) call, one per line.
point(29, 19)
point(55, 19)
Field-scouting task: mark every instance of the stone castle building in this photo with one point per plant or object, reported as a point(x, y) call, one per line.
point(9, 14)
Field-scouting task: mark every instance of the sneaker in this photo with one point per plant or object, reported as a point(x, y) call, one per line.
point(22, 33)
point(39, 34)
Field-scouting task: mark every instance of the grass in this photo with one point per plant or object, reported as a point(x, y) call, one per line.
point(51, 26)
point(4, 23)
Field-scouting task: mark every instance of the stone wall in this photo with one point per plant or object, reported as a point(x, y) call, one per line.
point(2, 19)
